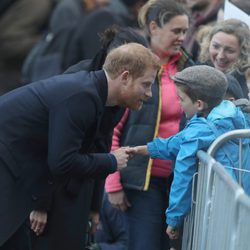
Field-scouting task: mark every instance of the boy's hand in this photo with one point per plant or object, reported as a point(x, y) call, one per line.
point(132, 151)
point(173, 233)
point(142, 150)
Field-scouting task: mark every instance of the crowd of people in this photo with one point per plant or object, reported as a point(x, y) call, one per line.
point(101, 154)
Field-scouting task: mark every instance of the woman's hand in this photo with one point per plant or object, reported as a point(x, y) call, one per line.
point(119, 200)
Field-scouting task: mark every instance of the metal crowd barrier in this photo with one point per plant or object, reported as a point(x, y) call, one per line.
point(220, 213)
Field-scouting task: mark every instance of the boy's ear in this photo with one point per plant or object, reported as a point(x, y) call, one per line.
point(201, 105)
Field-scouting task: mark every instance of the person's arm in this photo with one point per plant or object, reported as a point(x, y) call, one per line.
point(119, 200)
point(165, 149)
point(138, 150)
point(42, 197)
point(185, 167)
point(70, 126)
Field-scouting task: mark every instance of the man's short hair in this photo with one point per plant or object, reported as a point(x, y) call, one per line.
point(132, 57)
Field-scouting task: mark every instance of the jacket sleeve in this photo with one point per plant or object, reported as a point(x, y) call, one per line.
point(185, 167)
point(183, 147)
point(42, 195)
point(71, 134)
point(97, 195)
point(113, 181)
point(165, 149)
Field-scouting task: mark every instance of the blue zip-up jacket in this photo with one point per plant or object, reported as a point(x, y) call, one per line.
point(197, 135)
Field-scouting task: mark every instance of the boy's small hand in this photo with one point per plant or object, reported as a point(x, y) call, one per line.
point(132, 151)
point(173, 233)
point(142, 150)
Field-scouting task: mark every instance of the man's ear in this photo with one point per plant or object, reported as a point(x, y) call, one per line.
point(125, 76)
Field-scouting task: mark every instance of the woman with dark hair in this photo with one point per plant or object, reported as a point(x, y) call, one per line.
point(110, 39)
point(142, 190)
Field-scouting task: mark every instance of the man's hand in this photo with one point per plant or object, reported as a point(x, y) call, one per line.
point(38, 221)
point(119, 200)
point(121, 156)
point(173, 233)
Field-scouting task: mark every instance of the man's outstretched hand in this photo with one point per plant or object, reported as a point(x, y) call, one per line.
point(121, 156)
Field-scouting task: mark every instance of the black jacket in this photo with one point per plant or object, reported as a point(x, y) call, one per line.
point(89, 192)
point(50, 127)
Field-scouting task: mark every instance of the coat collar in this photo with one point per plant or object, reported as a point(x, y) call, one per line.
point(101, 84)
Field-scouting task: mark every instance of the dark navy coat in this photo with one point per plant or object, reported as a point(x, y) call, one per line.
point(47, 130)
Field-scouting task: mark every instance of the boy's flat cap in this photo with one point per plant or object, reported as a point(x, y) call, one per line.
point(204, 79)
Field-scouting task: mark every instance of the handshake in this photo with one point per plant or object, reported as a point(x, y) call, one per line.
point(123, 154)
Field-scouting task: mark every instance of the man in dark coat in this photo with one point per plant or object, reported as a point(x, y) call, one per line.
point(47, 130)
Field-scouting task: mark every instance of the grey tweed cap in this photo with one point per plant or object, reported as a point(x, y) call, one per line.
point(205, 79)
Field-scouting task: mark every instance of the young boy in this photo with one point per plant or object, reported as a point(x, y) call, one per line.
point(201, 90)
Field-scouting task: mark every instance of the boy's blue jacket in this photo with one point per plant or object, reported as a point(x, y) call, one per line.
point(183, 147)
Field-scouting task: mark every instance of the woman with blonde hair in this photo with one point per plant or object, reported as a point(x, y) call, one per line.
point(227, 48)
